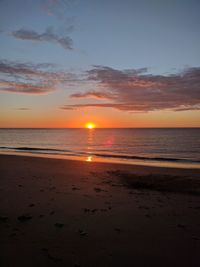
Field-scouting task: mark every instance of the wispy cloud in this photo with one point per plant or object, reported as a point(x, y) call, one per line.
point(24, 88)
point(137, 91)
point(102, 105)
point(57, 8)
point(92, 94)
point(47, 36)
point(26, 78)
point(22, 109)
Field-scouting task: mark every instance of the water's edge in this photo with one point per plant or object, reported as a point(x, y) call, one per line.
point(109, 159)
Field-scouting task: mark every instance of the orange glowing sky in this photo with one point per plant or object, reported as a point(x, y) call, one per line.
point(101, 118)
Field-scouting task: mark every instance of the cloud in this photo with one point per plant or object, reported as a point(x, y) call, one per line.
point(92, 94)
point(17, 69)
point(22, 109)
point(23, 88)
point(137, 91)
point(48, 36)
point(102, 105)
point(35, 79)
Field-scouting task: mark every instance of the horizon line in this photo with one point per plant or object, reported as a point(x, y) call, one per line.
point(198, 127)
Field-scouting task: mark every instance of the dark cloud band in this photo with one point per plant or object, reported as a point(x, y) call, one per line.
point(35, 79)
point(136, 91)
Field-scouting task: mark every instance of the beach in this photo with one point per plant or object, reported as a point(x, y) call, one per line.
point(58, 212)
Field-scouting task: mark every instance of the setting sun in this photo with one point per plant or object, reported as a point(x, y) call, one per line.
point(90, 125)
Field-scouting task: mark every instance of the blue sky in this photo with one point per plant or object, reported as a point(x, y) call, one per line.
point(74, 36)
point(160, 35)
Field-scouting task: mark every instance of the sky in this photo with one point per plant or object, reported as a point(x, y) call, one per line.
point(131, 63)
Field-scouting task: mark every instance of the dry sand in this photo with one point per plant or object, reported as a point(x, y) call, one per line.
point(69, 213)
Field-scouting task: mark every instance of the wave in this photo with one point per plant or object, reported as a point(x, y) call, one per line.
point(66, 152)
point(34, 149)
point(146, 158)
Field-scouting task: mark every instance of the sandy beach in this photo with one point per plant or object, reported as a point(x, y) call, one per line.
point(57, 212)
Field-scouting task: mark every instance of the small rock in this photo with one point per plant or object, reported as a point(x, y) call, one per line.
point(55, 259)
point(98, 190)
point(82, 233)
point(75, 188)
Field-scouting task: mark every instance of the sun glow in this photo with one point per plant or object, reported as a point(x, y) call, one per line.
point(90, 125)
point(89, 159)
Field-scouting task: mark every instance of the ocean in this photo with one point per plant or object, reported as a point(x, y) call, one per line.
point(176, 147)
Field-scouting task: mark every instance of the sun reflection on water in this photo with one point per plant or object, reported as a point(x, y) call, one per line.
point(89, 159)
point(90, 139)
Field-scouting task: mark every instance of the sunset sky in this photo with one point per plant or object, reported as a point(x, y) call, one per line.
point(130, 63)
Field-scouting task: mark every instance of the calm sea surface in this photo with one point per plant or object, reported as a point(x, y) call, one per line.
point(150, 146)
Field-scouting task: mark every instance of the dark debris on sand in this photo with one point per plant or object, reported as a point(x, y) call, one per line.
point(55, 259)
point(24, 218)
point(82, 233)
point(158, 182)
point(59, 225)
point(98, 190)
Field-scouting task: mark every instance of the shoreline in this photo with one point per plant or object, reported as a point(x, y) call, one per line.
point(92, 158)
point(56, 212)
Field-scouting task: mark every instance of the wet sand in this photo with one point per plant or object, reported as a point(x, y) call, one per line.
point(57, 212)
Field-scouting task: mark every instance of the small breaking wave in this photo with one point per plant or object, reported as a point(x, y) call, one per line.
point(41, 150)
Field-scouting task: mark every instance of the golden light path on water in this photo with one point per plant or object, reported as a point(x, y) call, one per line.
point(90, 141)
point(89, 159)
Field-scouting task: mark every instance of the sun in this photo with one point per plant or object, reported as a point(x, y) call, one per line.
point(90, 125)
